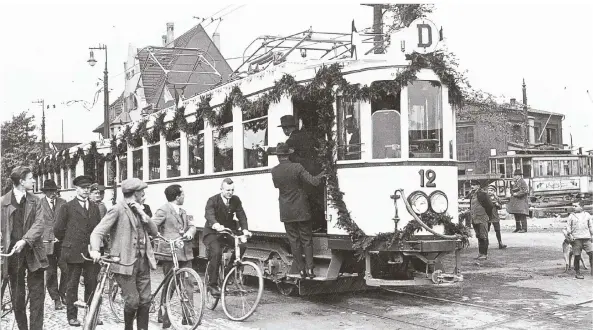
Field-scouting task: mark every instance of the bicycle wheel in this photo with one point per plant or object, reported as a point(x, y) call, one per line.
point(185, 305)
point(211, 301)
point(92, 315)
point(240, 298)
point(116, 301)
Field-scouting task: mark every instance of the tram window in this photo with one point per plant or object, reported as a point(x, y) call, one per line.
point(110, 173)
point(154, 162)
point(348, 129)
point(425, 119)
point(526, 169)
point(509, 170)
point(255, 136)
point(574, 167)
point(137, 168)
point(564, 167)
point(100, 172)
point(196, 153)
point(173, 156)
point(58, 178)
point(223, 149)
point(72, 173)
point(386, 134)
point(555, 168)
point(123, 167)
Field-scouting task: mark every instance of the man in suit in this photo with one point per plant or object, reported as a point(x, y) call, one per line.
point(74, 224)
point(220, 211)
point(480, 208)
point(303, 144)
point(290, 179)
point(48, 212)
point(172, 222)
point(128, 222)
point(518, 204)
point(22, 232)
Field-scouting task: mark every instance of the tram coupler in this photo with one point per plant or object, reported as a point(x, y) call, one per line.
point(438, 277)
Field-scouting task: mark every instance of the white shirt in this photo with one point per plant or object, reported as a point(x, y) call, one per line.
point(18, 195)
point(49, 202)
point(226, 201)
point(83, 202)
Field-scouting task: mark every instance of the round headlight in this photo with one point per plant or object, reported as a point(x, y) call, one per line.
point(439, 202)
point(419, 202)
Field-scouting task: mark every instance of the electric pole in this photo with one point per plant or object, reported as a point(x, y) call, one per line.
point(525, 116)
point(378, 26)
point(42, 102)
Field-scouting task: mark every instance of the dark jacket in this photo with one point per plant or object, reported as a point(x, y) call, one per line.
point(518, 203)
point(480, 207)
point(303, 144)
point(49, 219)
point(290, 179)
point(218, 212)
point(33, 228)
point(74, 227)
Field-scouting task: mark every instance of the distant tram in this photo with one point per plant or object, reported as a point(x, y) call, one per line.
point(403, 141)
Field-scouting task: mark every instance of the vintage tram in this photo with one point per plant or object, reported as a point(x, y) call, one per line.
point(395, 159)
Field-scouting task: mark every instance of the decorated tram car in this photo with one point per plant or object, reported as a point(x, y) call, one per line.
point(389, 148)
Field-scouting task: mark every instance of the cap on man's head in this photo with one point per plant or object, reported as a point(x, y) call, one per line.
point(475, 183)
point(82, 181)
point(287, 121)
point(49, 185)
point(96, 186)
point(132, 184)
point(283, 149)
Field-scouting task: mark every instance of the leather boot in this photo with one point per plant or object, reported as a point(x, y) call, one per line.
point(517, 226)
point(142, 317)
point(577, 267)
point(129, 315)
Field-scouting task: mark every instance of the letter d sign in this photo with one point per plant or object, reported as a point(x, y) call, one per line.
point(424, 35)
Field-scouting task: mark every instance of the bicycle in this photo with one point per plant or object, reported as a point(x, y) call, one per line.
point(191, 312)
point(234, 283)
point(6, 306)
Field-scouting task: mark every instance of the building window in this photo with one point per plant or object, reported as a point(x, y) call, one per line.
point(72, 173)
point(222, 140)
point(386, 124)
point(537, 131)
point(425, 119)
point(255, 136)
point(348, 129)
point(137, 168)
point(465, 143)
point(173, 156)
point(551, 136)
point(196, 153)
point(123, 167)
point(154, 162)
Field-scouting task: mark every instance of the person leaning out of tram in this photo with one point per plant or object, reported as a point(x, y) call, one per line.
point(173, 222)
point(290, 179)
point(128, 222)
point(220, 211)
point(518, 205)
point(494, 219)
point(480, 208)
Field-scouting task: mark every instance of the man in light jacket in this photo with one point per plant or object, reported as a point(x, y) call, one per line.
point(579, 229)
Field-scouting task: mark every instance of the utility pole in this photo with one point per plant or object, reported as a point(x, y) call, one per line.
point(42, 102)
point(378, 26)
point(525, 115)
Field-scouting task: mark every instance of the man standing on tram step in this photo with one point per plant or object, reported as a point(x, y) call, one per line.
point(74, 224)
point(305, 154)
point(494, 219)
point(219, 214)
point(127, 221)
point(173, 222)
point(480, 208)
point(22, 231)
point(290, 179)
point(50, 205)
point(518, 205)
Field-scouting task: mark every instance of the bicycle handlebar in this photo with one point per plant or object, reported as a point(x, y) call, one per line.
point(230, 232)
point(7, 255)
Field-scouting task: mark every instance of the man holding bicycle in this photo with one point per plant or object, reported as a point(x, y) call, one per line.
point(129, 227)
point(220, 211)
point(173, 222)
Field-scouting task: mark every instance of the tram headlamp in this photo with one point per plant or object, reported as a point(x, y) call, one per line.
point(438, 202)
point(419, 202)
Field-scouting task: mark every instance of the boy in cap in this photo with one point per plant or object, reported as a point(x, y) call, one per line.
point(22, 232)
point(480, 208)
point(494, 219)
point(50, 205)
point(130, 226)
point(518, 205)
point(75, 222)
point(579, 230)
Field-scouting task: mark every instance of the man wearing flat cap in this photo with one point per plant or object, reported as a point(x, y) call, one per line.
point(48, 212)
point(75, 222)
point(22, 233)
point(129, 227)
point(518, 205)
point(303, 144)
point(290, 179)
point(480, 208)
point(97, 196)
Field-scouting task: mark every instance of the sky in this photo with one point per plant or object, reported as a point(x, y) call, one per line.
point(498, 43)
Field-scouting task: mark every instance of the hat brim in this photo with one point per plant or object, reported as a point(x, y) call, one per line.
point(84, 185)
point(289, 152)
point(287, 125)
point(49, 189)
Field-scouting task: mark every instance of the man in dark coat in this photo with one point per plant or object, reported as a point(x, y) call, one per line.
point(22, 232)
point(50, 205)
point(220, 211)
point(73, 227)
point(480, 208)
point(290, 179)
point(303, 145)
point(518, 205)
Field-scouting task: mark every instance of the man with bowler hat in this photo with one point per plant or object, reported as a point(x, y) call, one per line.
point(303, 145)
point(22, 232)
point(518, 205)
point(50, 205)
point(130, 226)
point(74, 224)
point(290, 179)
